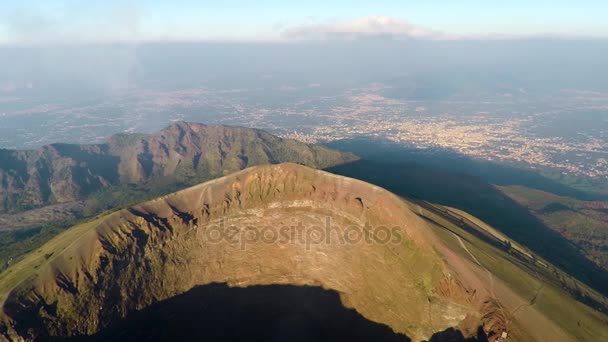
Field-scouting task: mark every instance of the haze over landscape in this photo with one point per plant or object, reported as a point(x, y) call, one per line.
point(476, 130)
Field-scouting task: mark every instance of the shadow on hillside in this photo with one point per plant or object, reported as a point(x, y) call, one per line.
point(391, 170)
point(217, 312)
point(454, 162)
point(91, 158)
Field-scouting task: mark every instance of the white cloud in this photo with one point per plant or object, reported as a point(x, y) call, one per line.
point(364, 28)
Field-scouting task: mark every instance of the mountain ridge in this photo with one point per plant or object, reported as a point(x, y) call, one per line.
point(60, 173)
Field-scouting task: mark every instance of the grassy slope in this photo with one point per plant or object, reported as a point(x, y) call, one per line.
point(528, 279)
point(485, 202)
point(16, 244)
point(576, 220)
point(40, 256)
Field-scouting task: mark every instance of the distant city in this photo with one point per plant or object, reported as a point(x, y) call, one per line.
point(565, 132)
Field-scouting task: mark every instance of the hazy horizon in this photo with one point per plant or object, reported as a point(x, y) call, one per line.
point(66, 21)
point(103, 69)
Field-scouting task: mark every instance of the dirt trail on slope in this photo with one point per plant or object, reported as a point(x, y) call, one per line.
point(474, 274)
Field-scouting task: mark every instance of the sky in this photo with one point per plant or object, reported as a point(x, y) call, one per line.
point(68, 21)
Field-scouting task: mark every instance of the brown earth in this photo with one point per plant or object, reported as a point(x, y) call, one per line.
point(282, 224)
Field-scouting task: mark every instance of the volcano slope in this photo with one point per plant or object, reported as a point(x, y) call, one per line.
point(275, 225)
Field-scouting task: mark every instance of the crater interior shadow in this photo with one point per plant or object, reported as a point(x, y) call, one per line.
point(217, 312)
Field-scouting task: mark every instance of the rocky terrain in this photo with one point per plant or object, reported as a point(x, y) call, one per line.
point(277, 225)
point(183, 152)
